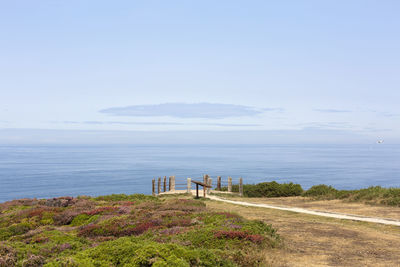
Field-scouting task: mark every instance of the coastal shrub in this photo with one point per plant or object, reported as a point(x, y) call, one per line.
point(259, 227)
point(38, 211)
point(244, 235)
point(14, 230)
point(90, 230)
point(47, 218)
point(229, 214)
point(65, 217)
point(56, 240)
point(239, 235)
point(85, 204)
point(58, 202)
point(8, 256)
point(84, 218)
point(103, 210)
point(180, 222)
point(73, 262)
point(183, 205)
point(141, 228)
point(370, 195)
point(123, 197)
point(5, 234)
point(135, 230)
point(394, 201)
point(321, 190)
point(117, 227)
point(135, 252)
point(269, 189)
point(39, 239)
point(33, 261)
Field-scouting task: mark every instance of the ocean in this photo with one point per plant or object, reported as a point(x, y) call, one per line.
point(70, 170)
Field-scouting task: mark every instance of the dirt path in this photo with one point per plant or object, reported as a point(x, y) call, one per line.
point(311, 212)
point(331, 205)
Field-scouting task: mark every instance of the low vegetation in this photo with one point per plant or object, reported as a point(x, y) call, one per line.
point(128, 230)
point(269, 189)
point(370, 195)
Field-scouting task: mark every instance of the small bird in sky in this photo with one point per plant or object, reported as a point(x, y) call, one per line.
point(380, 141)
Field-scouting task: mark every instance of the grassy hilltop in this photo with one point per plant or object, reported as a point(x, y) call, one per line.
point(128, 230)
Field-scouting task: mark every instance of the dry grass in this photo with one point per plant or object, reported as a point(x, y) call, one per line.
point(319, 241)
point(356, 208)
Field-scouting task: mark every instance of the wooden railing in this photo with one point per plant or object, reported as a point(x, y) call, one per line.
point(180, 185)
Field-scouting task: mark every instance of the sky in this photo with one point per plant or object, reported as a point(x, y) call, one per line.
point(199, 71)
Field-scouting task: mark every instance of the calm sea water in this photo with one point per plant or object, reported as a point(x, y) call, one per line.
point(48, 171)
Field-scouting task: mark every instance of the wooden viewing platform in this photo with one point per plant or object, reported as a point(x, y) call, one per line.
point(184, 185)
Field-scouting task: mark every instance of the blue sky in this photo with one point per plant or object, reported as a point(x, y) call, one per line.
point(247, 71)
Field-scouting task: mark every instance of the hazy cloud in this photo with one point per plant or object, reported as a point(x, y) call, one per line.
point(228, 124)
point(157, 123)
point(388, 114)
point(66, 122)
point(184, 110)
point(384, 113)
point(130, 123)
point(333, 110)
point(327, 125)
point(376, 129)
point(117, 123)
point(274, 109)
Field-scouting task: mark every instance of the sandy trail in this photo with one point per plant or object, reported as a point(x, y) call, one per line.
point(312, 212)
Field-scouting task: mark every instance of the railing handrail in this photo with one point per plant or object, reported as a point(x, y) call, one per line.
point(207, 181)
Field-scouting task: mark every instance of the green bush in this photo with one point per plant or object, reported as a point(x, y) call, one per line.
point(128, 251)
point(371, 195)
point(321, 190)
point(269, 189)
point(82, 219)
point(14, 230)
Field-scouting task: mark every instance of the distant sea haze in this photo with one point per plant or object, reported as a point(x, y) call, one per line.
point(60, 170)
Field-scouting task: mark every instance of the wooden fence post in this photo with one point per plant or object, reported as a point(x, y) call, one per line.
point(219, 183)
point(205, 182)
point(241, 186)
point(165, 183)
point(189, 185)
point(173, 183)
point(229, 184)
point(153, 188)
point(159, 185)
point(209, 182)
point(169, 183)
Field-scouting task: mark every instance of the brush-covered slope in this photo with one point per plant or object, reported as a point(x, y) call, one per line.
point(128, 230)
